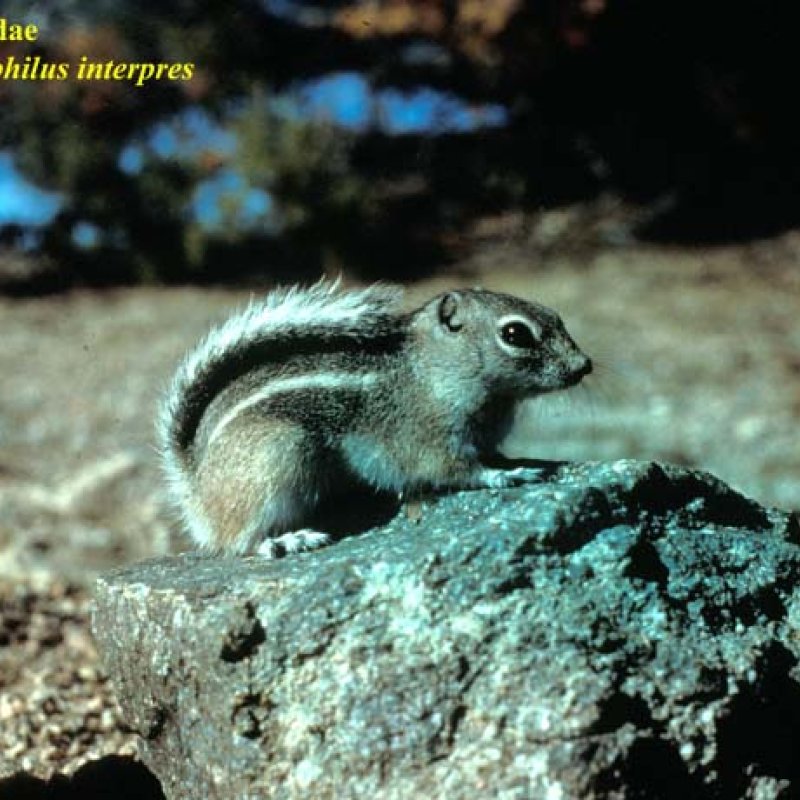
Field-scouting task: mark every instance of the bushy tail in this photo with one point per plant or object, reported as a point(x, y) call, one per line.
point(232, 348)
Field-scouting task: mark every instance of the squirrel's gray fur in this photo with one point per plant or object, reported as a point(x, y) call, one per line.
point(312, 391)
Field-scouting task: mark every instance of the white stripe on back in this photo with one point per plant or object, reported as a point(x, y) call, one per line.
point(325, 381)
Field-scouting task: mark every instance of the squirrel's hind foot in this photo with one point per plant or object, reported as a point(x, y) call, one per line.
point(294, 542)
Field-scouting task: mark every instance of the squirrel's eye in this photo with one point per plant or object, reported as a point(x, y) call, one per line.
point(518, 334)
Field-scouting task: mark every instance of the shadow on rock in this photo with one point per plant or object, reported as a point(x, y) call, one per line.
point(114, 776)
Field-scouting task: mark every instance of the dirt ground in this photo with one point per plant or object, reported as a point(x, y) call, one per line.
point(698, 363)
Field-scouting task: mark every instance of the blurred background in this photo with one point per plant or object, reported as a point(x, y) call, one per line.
point(633, 164)
point(376, 136)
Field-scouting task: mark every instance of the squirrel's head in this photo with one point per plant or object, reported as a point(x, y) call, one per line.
point(514, 347)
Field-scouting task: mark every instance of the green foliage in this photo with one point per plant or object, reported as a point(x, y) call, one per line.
point(69, 138)
point(615, 98)
point(329, 205)
point(306, 166)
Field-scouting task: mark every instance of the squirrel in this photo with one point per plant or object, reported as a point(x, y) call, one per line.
point(312, 391)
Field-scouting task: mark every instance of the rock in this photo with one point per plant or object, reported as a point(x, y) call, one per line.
point(621, 630)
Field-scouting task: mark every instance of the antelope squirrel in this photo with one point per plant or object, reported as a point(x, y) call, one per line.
point(311, 391)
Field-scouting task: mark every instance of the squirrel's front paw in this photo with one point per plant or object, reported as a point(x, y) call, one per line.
point(491, 478)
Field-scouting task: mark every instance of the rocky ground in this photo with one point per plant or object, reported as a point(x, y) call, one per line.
point(699, 364)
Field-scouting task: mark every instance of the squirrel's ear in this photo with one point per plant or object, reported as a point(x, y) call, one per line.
point(449, 307)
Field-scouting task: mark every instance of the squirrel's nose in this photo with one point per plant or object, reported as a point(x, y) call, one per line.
point(586, 368)
point(580, 371)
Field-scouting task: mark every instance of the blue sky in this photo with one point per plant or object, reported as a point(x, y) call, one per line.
point(345, 99)
point(20, 201)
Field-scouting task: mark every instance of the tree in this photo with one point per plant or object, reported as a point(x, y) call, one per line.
point(653, 102)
